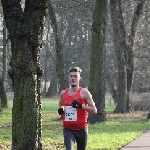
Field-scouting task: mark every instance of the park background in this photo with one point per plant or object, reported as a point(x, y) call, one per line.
point(108, 40)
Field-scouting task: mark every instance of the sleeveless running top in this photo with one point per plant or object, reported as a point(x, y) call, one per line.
point(74, 118)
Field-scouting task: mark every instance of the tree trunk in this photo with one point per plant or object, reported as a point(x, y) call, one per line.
point(124, 53)
point(3, 82)
point(113, 91)
point(3, 98)
point(52, 90)
point(25, 29)
point(4, 54)
point(96, 85)
point(59, 50)
point(119, 40)
point(130, 51)
point(46, 60)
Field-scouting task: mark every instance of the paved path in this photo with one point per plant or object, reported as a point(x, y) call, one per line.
point(141, 143)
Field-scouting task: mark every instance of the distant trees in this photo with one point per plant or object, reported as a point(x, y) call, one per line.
point(123, 53)
point(73, 35)
point(67, 42)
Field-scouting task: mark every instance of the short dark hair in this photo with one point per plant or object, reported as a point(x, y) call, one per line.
point(75, 69)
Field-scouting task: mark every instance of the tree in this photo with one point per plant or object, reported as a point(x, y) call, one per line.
point(25, 27)
point(125, 52)
point(58, 46)
point(96, 62)
point(120, 52)
point(3, 98)
point(3, 80)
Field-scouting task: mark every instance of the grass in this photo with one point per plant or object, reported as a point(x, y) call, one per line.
point(119, 130)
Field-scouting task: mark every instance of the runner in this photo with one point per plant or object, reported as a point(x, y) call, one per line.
point(74, 105)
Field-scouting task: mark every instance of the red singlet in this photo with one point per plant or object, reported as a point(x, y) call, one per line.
point(74, 118)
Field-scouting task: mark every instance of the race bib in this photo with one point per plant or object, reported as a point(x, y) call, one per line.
point(70, 113)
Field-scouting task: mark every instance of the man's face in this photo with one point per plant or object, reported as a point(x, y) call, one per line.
point(74, 78)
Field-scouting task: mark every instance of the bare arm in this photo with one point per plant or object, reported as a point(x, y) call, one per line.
point(61, 99)
point(86, 95)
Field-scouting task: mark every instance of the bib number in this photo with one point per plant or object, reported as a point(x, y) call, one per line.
point(70, 113)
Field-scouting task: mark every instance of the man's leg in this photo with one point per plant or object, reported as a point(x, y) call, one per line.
point(81, 138)
point(69, 139)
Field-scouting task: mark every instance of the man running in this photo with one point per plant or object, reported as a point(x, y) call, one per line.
point(74, 105)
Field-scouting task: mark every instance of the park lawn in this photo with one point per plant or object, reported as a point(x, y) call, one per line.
point(116, 132)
